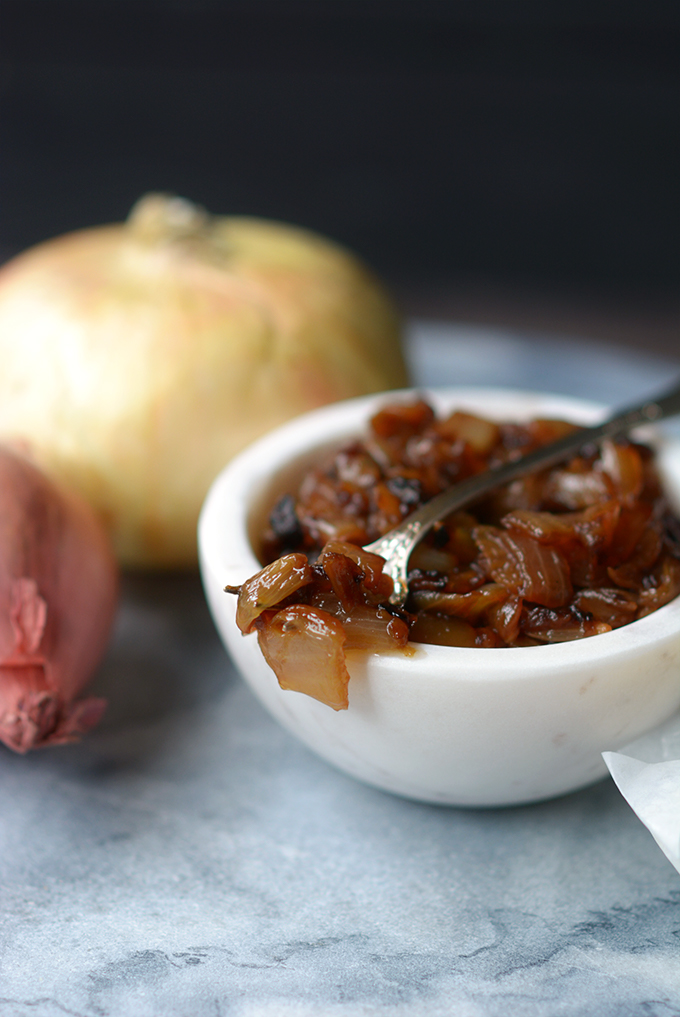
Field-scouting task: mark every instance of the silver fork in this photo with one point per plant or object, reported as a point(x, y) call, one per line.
point(397, 545)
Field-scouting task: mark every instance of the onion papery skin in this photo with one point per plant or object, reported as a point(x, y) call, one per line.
point(138, 358)
point(58, 597)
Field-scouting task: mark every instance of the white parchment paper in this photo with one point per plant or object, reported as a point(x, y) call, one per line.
point(647, 773)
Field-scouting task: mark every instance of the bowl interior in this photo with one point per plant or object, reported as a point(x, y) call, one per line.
point(275, 465)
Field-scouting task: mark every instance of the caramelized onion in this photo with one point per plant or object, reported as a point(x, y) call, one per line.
point(607, 605)
point(375, 630)
point(443, 631)
point(664, 589)
point(575, 488)
point(537, 572)
point(370, 565)
point(339, 606)
point(505, 617)
point(632, 572)
point(304, 646)
point(482, 435)
point(593, 527)
point(623, 466)
point(269, 587)
point(559, 625)
point(470, 606)
point(566, 553)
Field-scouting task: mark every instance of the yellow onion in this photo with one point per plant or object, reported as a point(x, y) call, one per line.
point(138, 358)
point(58, 595)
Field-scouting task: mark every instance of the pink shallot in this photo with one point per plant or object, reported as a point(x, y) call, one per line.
point(58, 596)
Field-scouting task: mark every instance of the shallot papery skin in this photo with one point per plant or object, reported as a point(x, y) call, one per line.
point(58, 597)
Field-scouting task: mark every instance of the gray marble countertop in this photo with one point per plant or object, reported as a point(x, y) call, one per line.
point(190, 859)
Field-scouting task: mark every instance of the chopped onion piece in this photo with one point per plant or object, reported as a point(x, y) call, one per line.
point(304, 646)
point(442, 631)
point(470, 606)
point(666, 590)
point(479, 433)
point(593, 527)
point(623, 465)
point(537, 572)
point(576, 489)
point(505, 617)
point(614, 607)
point(370, 564)
point(375, 630)
point(559, 625)
point(432, 559)
point(631, 574)
point(269, 587)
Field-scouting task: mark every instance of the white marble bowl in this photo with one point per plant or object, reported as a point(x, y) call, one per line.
point(459, 726)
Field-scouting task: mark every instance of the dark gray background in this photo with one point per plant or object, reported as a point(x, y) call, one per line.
point(503, 162)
